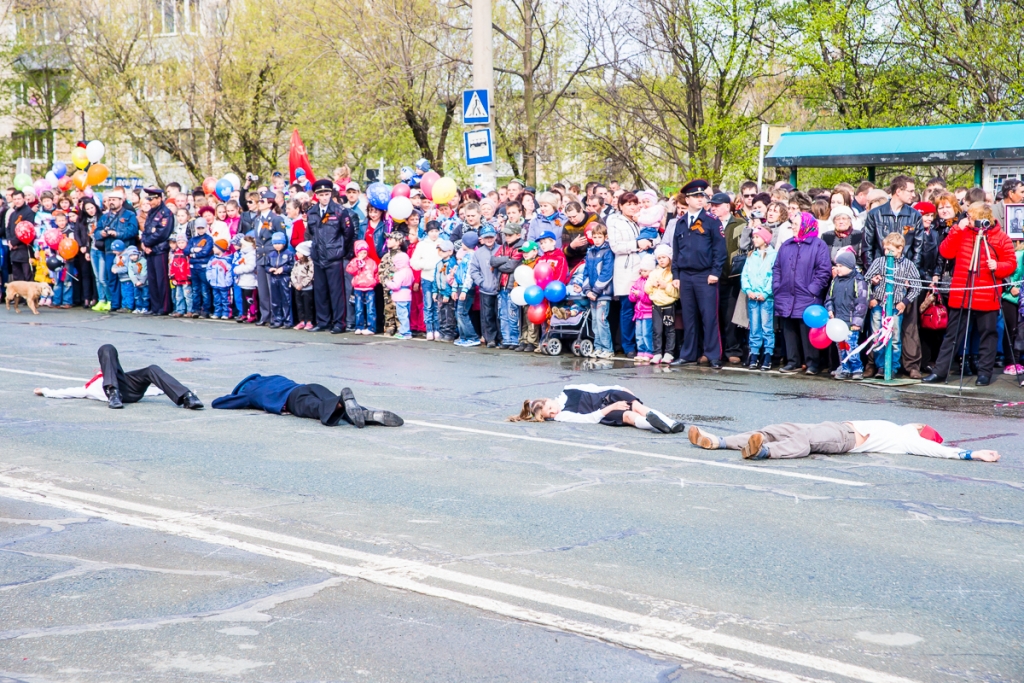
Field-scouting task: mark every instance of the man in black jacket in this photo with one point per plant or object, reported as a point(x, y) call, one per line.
point(155, 234)
point(265, 224)
point(20, 252)
point(332, 231)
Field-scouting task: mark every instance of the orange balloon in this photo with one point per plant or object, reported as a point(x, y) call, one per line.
point(64, 183)
point(96, 174)
point(209, 186)
point(68, 248)
point(79, 179)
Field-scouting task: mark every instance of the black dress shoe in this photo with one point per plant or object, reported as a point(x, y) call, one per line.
point(385, 418)
point(655, 421)
point(319, 328)
point(789, 368)
point(630, 354)
point(191, 401)
point(679, 361)
point(275, 326)
point(983, 380)
point(933, 379)
point(492, 345)
point(716, 364)
point(813, 369)
point(113, 398)
point(337, 330)
point(353, 411)
point(261, 323)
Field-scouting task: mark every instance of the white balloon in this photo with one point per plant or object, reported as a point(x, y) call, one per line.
point(524, 277)
point(837, 330)
point(94, 151)
point(518, 295)
point(236, 183)
point(51, 177)
point(400, 208)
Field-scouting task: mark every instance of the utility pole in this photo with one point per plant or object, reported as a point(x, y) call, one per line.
point(483, 77)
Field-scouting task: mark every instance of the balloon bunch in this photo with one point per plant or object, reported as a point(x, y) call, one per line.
point(222, 188)
point(537, 288)
point(85, 157)
point(823, 330)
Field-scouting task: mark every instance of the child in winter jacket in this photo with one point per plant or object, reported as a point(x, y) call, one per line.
point(424, 259)
point(385, 270)
point(504, 261)
point(62, 288)
point(597, 287)
point(554, 257)
point(279, 267)
point(363, 270)
point(302, 283)
point(643, 309)
point(180, 274)
point(664, 295)
point(444, 284)
point(848, 300)
point(200, 251)
point(400, 285)
point(245, 276)
point(529, 334)
point(756, 283)
point(133, 276)
point(464, 288)
point(904, 293)
point(218, 274)
point(650, 218)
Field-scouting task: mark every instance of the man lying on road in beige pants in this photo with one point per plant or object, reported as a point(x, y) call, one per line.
point(792, 440)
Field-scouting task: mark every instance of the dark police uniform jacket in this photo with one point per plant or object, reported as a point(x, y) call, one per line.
point(701, 250)
point(332, 236)
point(158, 228)
point(265, 229)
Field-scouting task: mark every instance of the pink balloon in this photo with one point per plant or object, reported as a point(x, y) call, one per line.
point(427, 183)
point(543, 273)
point(400, 190)
point(52, 236)
point(42, 185)
point(819, 338)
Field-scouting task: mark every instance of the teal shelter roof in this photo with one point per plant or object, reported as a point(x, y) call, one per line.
point(955, 144)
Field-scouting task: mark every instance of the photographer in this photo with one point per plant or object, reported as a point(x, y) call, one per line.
point(974, 296)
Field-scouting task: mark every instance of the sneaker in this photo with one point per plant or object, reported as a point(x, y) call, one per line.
point(309, 326)
point(767, 365)
point(655, 359)
point(755, 448)
point(99, 307)
point(472, 342)
point(666, 359)
point(752, 361)
point(430, 336)
point(701, 439)
point(407, 336)
point(1010, 370)
point(300, 326)
point(789, 368)
point(460, 342)
point(529, 348)
point(857, 376)
point(842, 375)
point(606, 355)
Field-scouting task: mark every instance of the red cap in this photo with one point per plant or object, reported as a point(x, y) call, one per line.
point(925, 207)
point(930, 434)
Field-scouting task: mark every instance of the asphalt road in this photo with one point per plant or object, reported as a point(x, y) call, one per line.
point(156, 544)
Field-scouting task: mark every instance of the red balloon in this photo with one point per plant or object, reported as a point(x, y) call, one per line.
point(400, 190)
point(25, 231)
point(538, 314)
point(209, 185)
point(64, 183)
point(427, 183)
point(543, 273)
point(819, 338)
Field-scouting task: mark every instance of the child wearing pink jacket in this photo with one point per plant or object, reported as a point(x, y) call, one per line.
point(400, 285)
point(642, 310)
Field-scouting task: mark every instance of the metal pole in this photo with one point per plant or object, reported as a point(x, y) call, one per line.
point(760, 155)
point(483, 77)
point(890, 284)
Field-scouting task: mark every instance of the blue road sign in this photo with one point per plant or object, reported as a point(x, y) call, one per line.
point(476, 107)
point(479, 147)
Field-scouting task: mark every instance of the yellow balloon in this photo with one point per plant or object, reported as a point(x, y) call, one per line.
point(79, 157)
point(444, 191)
point(96, 174)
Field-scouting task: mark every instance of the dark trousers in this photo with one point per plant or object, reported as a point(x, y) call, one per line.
point(113, 281)
point(910, 338)
point(263, 287)
point(202, 293)
point(281, 300)
point(663, 321)
point(699, 303)
point(627, 328)
point(329, 292)
point(1010, 325)
point(446, 319)
point(798, 339)
point(133, 384)
point(985, 322)
point(728, 295)
point(304, 306)
point(159, 284)
point(86, 278)
point(489, 317)
point(315, 402)
point(22, 272)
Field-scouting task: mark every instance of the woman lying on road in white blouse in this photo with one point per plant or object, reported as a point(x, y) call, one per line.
point(590, 404)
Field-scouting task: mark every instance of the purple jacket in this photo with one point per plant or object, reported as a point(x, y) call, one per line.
point(800, 276)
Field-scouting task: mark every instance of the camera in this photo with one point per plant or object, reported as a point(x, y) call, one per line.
point(758, 215)
point(251, 177)
point(983, 224)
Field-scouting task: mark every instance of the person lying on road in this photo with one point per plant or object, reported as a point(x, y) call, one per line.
point(590, 404)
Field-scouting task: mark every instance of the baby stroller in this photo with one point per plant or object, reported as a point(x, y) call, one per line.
point(570, 321)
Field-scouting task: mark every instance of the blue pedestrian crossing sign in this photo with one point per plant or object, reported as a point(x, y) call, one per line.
point(476, 107)
point(479, 147)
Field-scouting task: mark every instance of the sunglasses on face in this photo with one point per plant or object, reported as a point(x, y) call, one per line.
point(749, 196)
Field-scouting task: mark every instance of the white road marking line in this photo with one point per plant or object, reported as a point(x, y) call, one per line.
point(616, 449)
point(653, 634)
point(44, 374)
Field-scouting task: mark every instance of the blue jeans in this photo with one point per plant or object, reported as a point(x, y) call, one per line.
point(466, 330)
point(202, 293)
point(127, 295)
point(599, 320)
point(221, 307)
point(429, 305)
point(877, 313)
point(762, 326)
point(113, 282)
point(852, 362)
point(182, 295)
point(508, 318)
point(99, 269)
point(627, 328)
point(366, 310)
point(644, 336)
point(402, 309)
point(62, 293)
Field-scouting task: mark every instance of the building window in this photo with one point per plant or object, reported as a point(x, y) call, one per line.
point(33, 144)
point(175, 16)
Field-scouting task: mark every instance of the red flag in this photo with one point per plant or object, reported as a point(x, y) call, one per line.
point(297, 158)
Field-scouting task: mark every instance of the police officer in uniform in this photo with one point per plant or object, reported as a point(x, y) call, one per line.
point(265, 224)
point(156, 232)
point(698, 257)
point(332, 229)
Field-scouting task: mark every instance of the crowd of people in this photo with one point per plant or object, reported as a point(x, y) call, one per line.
point(704, 276)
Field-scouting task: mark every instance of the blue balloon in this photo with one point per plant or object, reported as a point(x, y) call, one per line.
point(378, 195)
point(223, 189)
point(60, 169)
point(815, 316)
point(554, 291)
point(533, 295)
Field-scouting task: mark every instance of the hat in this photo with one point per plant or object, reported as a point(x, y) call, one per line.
point(765, 234)
point(415, 192)
point(445, 245)
point(117, 245)
point(181, 237)
point(223, 245)
point(786, 187)
point(930, 434)
point(720, 198)
point(841, 211)
point(360, 245)
point(647, 193)
point(695, 187)
point(470, 240)
point(528, 246)
point(323, 184)
point(268, 195)
point(663, 250)
point(547, 235)
point(200, 223)
point(279, 238)
point(433, 225)
point(488, 231)
point(648, 262)
point(926, 207)
point(304, 248)
point(511, 229)
point(154, 192)
point(845, 257)
point(351, 185)
point(401, 260)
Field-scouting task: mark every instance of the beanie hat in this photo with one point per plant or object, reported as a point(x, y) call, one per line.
point(470, 240)
point(360, 245)
point(223, 245)
point(433, 225)
point(846, 258)
point(648, 262)
point(304, 248)
point(926, 207)
point(841, 211)
point(765, 234)
point(663, 250)
point(279, 238)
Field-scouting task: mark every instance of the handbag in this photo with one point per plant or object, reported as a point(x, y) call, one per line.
point(934, 314)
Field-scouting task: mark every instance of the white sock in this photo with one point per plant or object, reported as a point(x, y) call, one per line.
point(640, 422)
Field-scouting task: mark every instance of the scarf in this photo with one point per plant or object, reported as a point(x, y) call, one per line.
point(808, 227)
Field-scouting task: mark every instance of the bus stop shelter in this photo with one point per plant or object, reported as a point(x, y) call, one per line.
point(996, 149)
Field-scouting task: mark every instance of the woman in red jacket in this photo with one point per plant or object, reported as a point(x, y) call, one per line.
point(996, 260)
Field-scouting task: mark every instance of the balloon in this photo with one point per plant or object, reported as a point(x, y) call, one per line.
point(517, 295)
point(543, 273)
point(554, 291)
point(427, 183)
point(400, 190)
point(538, 314)
point(815, 316)
point(524, 276)
point(94, 151)
point(534, 295)
point(235, 181)
point(400, 208)
point(837, 330)
point(96, 174)
point(209, 185)
point(25, 231)
point(378, 195)
point(52, 178)
point(60, 169)
point(79, 179)
point(42, 185)
point(22, 179)
point(64, 183)
point(223, 189)
point(68, 248)
point(79, 157)
point(819, 338)
point(443, 191)
point(52, 237)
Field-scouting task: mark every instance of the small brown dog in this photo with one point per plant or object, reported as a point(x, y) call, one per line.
point(31, 292)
